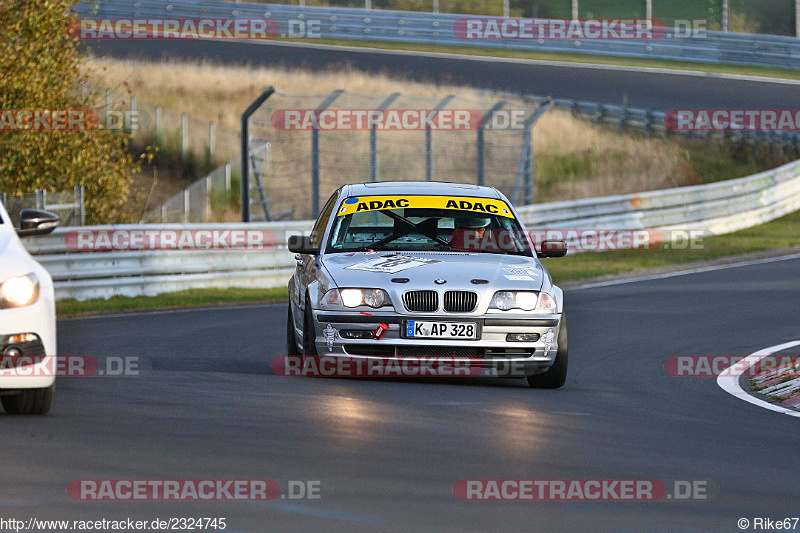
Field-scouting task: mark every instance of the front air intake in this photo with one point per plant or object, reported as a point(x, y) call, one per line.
point(460, 301)
point(421, 301)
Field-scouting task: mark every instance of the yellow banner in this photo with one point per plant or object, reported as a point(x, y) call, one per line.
point(461, 203)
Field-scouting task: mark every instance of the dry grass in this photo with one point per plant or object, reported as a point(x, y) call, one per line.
point(573, 158)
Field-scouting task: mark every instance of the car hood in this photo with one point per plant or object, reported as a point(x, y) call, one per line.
point(423, 269)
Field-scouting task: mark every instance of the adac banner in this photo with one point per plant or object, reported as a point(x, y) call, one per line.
point(458, 203)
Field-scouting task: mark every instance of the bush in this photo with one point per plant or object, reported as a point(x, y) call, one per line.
point(40, 65)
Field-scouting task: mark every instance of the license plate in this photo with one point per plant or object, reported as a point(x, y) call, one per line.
point(417, 329)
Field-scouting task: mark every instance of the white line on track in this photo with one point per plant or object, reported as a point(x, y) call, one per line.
point(523, 61)
point(729, 379)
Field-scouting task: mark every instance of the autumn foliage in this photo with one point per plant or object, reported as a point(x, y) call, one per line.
point(41, 70)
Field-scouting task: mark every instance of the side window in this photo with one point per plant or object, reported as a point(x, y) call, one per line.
point(322, 221)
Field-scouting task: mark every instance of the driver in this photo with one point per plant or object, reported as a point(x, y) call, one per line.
point(469, 232)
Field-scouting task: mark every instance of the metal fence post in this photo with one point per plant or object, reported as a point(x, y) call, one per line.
point(108, 106)
point(315, 154)
point(227, 179)
point(83, 205)
point(373, 139)
point(429, 137)
point(186, 205)
point(41, 201)
point(77, 191)
point(245, 149)
point(211, 142)
point(480, 142)
point(184, 135)
point(207, 214)
point(525, 166)
point(725, 11)
point(132, 115)
point(158, 122)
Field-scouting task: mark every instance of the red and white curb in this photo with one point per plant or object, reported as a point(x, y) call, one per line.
point(729, 379)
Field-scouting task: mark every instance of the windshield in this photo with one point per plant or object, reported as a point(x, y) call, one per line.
point(427, 223)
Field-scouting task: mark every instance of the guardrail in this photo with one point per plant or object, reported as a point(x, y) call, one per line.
point(437, 28)
point(720, 207)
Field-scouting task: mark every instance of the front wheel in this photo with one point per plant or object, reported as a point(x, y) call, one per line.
point(30, 401)
point(291, 341)
point(556, 375)
point(309, 333)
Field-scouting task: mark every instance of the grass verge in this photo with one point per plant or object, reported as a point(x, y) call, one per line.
point(778, 234)
point(170, 300)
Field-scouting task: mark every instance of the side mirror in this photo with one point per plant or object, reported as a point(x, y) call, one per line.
point(553, 249)
point(300, 244)
point(35, 222)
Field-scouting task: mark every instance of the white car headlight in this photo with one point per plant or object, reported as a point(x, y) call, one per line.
point(524, 300)
point(374, 298)
point(19, 291)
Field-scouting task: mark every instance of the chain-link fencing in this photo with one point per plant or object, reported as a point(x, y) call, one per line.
point(319, 142)
point(68, 205)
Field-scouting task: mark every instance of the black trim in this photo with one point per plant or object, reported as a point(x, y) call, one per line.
point(521, 322)
point(358, 319)
point(378, 319)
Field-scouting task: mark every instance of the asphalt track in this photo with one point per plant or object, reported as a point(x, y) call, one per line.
point(654, 89)
point(388, 452)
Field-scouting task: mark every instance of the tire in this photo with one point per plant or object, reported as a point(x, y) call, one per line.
point(30, 401)
point(556, 375)
point(291, 342)
point(309, 334)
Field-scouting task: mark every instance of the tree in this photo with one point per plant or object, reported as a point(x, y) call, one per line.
point(41, 70)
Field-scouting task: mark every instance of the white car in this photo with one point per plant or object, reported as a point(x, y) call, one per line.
point(27, 318)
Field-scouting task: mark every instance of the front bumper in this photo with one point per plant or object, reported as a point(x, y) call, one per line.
point(37, 319)
point(491, 350)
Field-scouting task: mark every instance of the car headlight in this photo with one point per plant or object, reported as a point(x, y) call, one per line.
point(524, 300)
point(374, 298)
point(19, 291)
